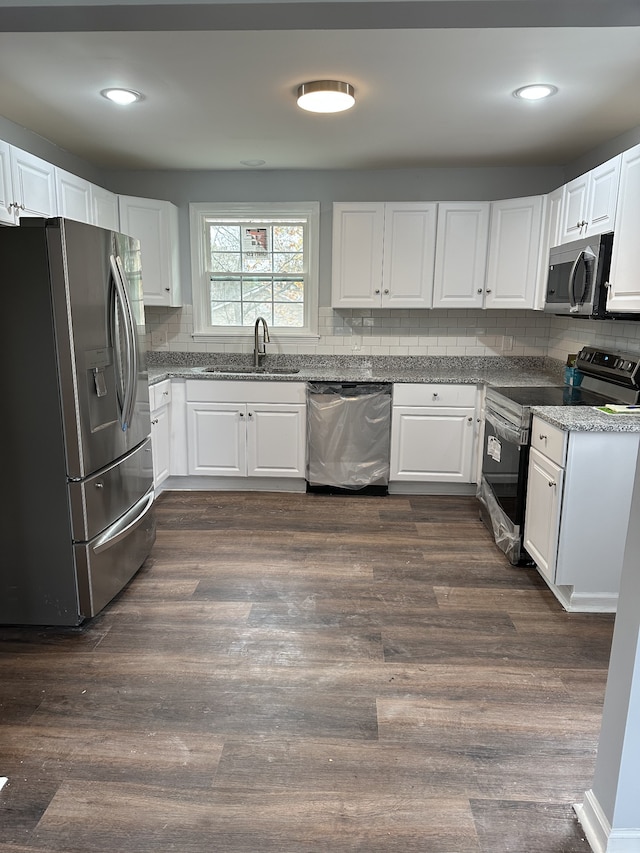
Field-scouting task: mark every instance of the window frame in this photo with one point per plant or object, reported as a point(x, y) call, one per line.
point(199, 212)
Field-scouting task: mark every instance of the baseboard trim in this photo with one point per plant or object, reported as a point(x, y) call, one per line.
point(232, 484)
point(396, 488)
point(583, 602)
point(597, 829)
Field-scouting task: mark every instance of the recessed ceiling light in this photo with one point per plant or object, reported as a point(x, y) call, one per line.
point(253, 162)
point(326, 96)
point(123, 97)
point(536, 91)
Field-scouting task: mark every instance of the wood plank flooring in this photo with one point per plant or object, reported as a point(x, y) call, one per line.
point(307, 674)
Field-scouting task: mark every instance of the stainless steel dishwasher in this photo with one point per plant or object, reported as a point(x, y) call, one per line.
point(348, 437)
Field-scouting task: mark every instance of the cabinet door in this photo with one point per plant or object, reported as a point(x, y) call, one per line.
point(7, 214)
point(104, 205)
point(431, 444)
point(603, 197)
point(574, 209)
point(216, 439)
point(408, 255)
point(74, 196)
point(624, 291)
point(461, 255)
point(514, 243)
point(358, 231)
point(160, 439)
point(155, 224)
point(542, 515)
point(275, 440)
point(551, 218)
point(33, 184)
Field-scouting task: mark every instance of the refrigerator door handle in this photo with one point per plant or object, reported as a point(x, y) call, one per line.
point(121, 305)
point(133, 337)
point(125, 525)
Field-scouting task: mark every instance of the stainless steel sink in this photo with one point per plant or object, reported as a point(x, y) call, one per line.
point(257, 371)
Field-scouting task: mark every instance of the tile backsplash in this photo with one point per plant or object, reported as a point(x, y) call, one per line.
point(466, 332)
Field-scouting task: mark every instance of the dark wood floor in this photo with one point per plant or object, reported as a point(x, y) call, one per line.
point(307, 674)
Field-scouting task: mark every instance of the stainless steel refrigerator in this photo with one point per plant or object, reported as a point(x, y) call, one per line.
point(77, 473)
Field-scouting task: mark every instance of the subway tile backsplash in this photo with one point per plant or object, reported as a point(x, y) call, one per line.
point(459, 332)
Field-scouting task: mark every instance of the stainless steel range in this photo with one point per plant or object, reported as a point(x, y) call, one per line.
point(608, 377)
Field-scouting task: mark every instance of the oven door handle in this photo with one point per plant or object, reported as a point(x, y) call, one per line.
point(506, 430)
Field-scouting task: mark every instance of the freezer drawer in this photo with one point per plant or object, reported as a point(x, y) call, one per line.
point(110, 560)
point(101, 499)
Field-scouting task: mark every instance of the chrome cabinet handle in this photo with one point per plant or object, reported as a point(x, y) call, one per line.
point(241, 414)
point(543, 437)
point(552, 484)
point(470, 420)
point(377, 291)
point(386, 291)
point(479, 290)
point(250, 414)
point(488, 290)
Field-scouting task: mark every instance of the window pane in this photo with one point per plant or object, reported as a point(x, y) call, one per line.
point(288, 291)
point(224, 238)
point(226, 313)
point(225, 262)
point(288, 238)
point(252, 310)
point(224, 289)
point(254, 262)
point(288, 262)
point(257, 291)
point(288, 314)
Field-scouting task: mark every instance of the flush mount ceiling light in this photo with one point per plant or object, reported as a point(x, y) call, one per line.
point(326, 96)
point(535, 92)
point(123, 97)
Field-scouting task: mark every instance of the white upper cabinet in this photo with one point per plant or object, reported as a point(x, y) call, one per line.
point(461, 254)
point(6, 186)
point(104, 206)
point(28, 188)
point(589, 202)
point(408, 255)
point(624, 277)
point(514, 249)
point(551, 217)
point(155, 224)
point(383, 254)
point(358, 233)
point(74, 196)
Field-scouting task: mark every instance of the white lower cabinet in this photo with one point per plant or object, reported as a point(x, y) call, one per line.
point(544, 489)
point(577, 513)
point(246, 429)
point(433, 431)
point(160, 403)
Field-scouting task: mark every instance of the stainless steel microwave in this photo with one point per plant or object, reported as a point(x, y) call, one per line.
point(578, 277)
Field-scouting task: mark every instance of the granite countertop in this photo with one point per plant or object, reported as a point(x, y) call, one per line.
point(436, 369)
point(587, 419)
point(468, 370)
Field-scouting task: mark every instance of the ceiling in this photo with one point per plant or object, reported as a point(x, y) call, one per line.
point(426, 96)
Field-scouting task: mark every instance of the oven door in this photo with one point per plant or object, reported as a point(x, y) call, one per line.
point(502, 490)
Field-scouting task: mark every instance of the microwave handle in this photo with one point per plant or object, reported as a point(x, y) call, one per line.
point(573, 307)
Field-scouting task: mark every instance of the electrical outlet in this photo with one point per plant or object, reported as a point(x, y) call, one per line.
point(159, 338)
point(507, 343)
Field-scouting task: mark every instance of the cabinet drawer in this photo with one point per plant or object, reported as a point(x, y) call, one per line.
point(431, 394)
point(160, 394)
point(549, 440)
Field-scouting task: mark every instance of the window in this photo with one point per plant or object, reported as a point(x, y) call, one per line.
point(250, 261)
